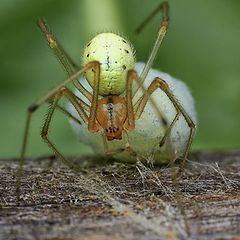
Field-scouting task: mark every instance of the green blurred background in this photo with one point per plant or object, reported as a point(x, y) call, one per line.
point(202, 48)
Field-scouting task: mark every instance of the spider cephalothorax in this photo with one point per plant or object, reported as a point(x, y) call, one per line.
point(111, 115)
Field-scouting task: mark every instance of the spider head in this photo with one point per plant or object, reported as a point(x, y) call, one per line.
point(111, 115)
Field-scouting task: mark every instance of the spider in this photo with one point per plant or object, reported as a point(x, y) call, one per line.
point(108, 64)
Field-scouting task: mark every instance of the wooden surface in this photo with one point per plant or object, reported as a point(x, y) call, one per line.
point(117, 201)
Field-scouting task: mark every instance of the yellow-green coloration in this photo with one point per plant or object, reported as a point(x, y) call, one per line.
point(116, 56)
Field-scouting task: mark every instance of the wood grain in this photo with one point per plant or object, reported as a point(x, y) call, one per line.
point(119, 201)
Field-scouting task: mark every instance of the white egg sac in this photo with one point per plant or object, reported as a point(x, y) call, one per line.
point(149, 131)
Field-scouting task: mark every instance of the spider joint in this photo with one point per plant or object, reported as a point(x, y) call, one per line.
point(161, 83)
point(192, 125)
point(33, 107)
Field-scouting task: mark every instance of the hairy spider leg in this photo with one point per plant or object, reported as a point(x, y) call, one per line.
point(33, 107)
point(68, 64)
point(164, 8)
point(160, 83)
point(44, 133)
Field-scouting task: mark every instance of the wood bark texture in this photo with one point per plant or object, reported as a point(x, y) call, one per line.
point(109, 200)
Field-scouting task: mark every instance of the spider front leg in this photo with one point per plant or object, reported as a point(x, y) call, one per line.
point(44, 133)
point(160, 83)
point(92, 125)
point(168, 130)
point(164, 8)
point(32, 108)
point(68, 64)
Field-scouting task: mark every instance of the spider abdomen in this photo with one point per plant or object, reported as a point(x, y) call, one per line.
point(116, 56)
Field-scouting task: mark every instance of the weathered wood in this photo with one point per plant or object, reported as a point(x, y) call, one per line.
point(118, 201)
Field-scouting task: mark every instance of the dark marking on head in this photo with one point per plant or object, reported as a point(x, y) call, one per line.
point(116, 62)
point(124, 41)
point(88, 55)
point(126, 51)
point(124, 67)
point(89, 44)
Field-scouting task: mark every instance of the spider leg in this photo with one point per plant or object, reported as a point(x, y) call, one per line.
point(84, 105)
point(44, 133)
point(163, 6)
point(160, 83)
point(160, 36)
point(68, 114)
point(92, 125)
point(68, 64)
point(130, 122)
point(168, 130)
point(31, 109)
point(57, 48)
point(131, 117)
